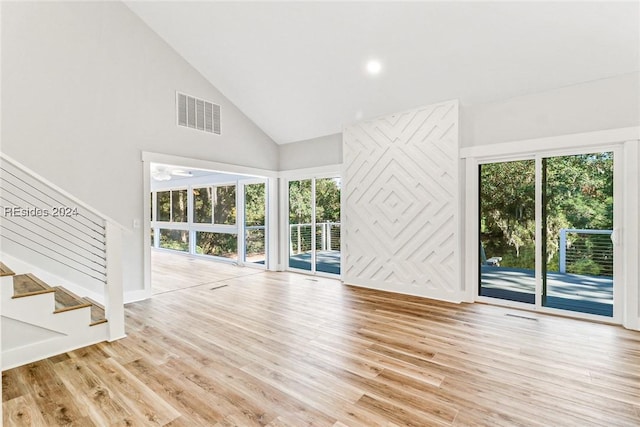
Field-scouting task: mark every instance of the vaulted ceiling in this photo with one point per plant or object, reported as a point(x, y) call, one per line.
point(298, 69)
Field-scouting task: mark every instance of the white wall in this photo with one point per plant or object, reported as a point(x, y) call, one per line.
point(634, 270)
point(597, 105)
point(322, 151)
point(87, 86)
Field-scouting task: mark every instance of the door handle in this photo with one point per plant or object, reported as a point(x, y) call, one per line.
point(615, 237)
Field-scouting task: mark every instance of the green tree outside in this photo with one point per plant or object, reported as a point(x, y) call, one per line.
point(300, 212)
point(577, 193)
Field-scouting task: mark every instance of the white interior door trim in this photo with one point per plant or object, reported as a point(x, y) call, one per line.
point(567, 142)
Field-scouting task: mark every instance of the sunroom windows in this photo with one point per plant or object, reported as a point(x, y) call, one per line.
point(172, 205)
point(224, 220)
point(214, 205)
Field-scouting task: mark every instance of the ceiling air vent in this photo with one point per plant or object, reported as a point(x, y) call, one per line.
point(198, 114)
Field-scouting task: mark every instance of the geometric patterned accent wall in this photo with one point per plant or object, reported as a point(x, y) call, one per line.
point(400, 202)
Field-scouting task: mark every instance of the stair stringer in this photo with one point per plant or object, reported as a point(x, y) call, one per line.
point(70, 329)
point(39, 350)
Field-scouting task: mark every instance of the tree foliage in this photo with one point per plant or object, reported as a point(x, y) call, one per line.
point(202, 206)
point(211, 205)
point(507, 204)
point(300, 202)
point(327, 197)
point(255, 210)
point(328, 200)
point(254, 204)
point(224, 210)
point(577, 193)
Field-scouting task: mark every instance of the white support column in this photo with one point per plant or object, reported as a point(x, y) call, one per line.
point(114, 295)
point(538, 221)
point(631, 236)
point(190, 211)
point(148, 223)
point(273, 224)
point(324, 236)
point(314, 244)
point(471, 232)
point(240, 222)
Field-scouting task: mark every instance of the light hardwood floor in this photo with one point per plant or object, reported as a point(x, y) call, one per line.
point(241, 347)
point(172, 272)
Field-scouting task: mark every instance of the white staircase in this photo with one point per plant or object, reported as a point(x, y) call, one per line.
point(40, 321)
point(50, 238)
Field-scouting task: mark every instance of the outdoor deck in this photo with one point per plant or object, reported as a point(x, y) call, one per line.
point(575, 292)
point(326, 261)
point(587, 294)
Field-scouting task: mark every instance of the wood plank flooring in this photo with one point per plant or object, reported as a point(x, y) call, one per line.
point(193, 271)
point(280, 349)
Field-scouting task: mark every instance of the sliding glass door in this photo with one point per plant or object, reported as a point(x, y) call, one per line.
point(255, 225)
point(314, 225)
point(327, 224)
point(577, 224)
point(546, 227)
point(507, 230)
point(300, 224)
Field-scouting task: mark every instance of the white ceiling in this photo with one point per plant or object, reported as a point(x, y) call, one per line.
point(297, 69)
point(184, 174)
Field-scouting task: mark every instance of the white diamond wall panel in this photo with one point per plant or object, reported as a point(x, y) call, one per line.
point(401, 202)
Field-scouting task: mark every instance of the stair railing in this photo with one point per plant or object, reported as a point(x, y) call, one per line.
point(41, 221)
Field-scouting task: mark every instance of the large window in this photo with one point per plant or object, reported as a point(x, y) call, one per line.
point(177, 240)
point(217, 244)
point(255, 210)
point(202, 205)
point(314, 225)
point(224, 211)
point(179, 206)
point(172, 206)
point(163, 206)
point(214, 205)
point(205, 220)
point(571, 265)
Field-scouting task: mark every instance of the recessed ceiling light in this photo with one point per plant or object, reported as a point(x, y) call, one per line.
point(374, 67)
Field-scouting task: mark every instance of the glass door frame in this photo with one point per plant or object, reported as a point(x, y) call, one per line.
point(242, 229)
point(537, 227)
point(285, 235)
point(473, 237)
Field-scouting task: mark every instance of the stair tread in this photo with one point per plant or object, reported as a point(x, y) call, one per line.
point(97, 312)
point(28, 284)
point(5, 271)
point(67, 300)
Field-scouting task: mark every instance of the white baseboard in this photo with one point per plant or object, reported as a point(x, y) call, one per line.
point(634, 325)
point(135, 296)
point(437, 294)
